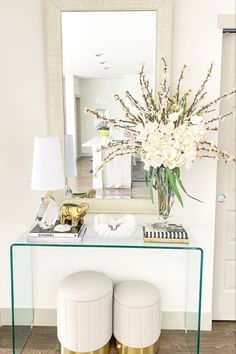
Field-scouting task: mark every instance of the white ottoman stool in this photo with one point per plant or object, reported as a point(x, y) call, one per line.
point(137, 317)
point(84, 313)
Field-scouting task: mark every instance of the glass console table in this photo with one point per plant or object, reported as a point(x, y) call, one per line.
point(22, 266)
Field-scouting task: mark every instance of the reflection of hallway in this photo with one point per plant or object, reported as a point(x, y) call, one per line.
point(138, 174)
point(84, 180)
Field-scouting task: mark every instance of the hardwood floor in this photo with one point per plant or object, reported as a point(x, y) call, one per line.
point(221, 340)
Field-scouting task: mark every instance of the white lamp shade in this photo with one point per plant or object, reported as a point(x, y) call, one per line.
point(47, 171)
point(70, 156)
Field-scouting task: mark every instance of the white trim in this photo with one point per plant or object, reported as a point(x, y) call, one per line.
point(170, 319)
point(227, 21)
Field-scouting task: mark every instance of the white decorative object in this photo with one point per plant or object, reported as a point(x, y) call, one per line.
point(108, 227)
point(84, 311)
point(62, 228)
point(47, 171)
point(50, 216)
point(137, 314)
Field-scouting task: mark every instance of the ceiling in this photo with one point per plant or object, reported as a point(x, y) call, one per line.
point(123, 40)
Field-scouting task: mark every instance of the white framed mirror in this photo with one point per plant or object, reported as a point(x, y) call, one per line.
point(95, 50)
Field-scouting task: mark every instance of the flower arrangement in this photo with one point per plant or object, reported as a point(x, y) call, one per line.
point(167, 132)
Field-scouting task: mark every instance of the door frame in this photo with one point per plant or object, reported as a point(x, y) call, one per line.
point(226, 23)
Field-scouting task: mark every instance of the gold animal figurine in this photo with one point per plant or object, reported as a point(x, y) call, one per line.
point(74, 213)
point(91, 193)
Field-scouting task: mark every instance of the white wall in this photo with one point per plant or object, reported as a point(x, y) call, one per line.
point(23, 115)
point(23, 107)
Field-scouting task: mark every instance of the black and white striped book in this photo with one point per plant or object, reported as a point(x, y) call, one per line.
point(170, 233)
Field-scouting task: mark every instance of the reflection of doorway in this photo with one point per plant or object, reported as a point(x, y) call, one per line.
point(78, 146)
point(137, 170)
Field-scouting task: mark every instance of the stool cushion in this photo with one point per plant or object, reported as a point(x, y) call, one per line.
point(137, 313)
point(84, 311)
point(85, 286)
point(136, 293)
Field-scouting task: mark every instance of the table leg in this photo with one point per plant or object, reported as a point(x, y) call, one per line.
point(194, 299)
point(21, 296)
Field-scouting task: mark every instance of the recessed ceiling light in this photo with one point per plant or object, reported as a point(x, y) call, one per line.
point(107, 68)
point(98, 54)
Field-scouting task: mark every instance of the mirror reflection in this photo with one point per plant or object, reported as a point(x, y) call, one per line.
point(102, 56)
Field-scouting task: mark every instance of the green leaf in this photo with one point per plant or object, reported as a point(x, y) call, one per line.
point(171, 179)
point(150, 183)
point(146, 178)
point(177, 175)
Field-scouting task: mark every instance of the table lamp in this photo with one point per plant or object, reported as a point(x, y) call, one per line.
point(70, 162)
point(47, 170)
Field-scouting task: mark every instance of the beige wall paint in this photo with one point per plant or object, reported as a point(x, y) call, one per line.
point(23, 114)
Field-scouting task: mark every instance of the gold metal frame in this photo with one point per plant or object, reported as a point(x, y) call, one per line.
point(124, 349)
point(104, 350)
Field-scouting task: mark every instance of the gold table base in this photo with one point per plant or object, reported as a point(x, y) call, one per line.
point(124, 349)
point(104, 350)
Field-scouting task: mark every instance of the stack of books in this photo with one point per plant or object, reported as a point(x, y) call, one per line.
point(170, 233)
point(37, 234)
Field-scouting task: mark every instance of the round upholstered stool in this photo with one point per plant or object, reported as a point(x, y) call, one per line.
point(137, 317)
point(84, 313)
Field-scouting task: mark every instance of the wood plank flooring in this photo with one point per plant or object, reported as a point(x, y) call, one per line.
point(221, 340)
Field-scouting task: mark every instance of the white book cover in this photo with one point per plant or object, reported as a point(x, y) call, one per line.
point(37, 233)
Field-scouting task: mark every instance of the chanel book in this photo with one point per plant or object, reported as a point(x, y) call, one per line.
point(37, 234)
point(170, 233)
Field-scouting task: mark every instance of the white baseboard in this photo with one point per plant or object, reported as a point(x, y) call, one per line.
point(47, 317)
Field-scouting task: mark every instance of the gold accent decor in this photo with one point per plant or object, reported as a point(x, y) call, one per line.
point(124, 349)
point(165, 240)
point(91, 193)
point(48, 196)
point(74, 213)
point(104, 350)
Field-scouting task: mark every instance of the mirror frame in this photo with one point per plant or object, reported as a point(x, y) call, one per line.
point(163, 9)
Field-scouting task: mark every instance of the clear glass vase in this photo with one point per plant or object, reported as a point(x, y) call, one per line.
point(163, 195)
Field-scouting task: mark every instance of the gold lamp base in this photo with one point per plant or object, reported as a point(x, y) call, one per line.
point(104, 350)
point(124, 349)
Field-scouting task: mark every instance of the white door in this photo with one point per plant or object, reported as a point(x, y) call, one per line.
point(224, 269)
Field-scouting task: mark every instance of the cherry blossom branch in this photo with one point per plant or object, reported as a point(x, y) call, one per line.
point(177, 94)
point(203, 109)
point(199, 92)
point(218, 118)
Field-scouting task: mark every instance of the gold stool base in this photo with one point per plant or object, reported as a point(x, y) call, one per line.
point(124, 349)
point(104, 350)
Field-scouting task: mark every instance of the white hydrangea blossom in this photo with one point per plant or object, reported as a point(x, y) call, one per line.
point(170, 146)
